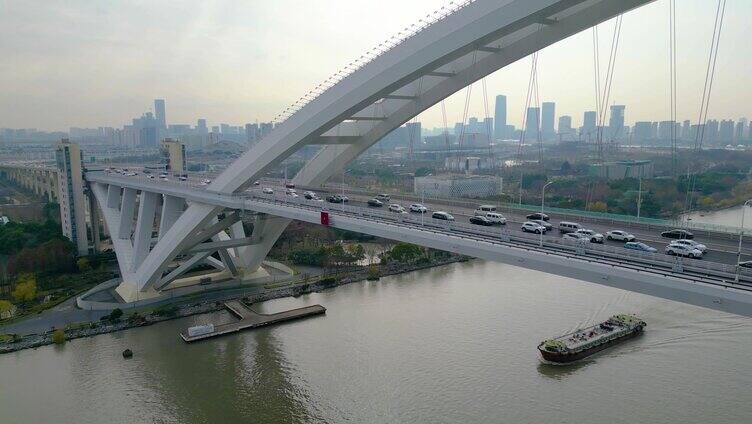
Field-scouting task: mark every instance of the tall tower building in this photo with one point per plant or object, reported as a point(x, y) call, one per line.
point(616, 122)
point(565, 124)
point(532, 123)
point(589, 119)
point(500, 118)
point(71, 194)
point(547, 120)
point(159, 111)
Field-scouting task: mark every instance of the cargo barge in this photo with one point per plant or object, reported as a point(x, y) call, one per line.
point(584, 342)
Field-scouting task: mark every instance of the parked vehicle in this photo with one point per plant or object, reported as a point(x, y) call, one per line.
point(691, 243)
point(678, 234)
point(543, 224)
point(418, 208)
point(594, 237)
point(396, 208)
point(375, 203)
point(482, 210)
point(538, 215)
point(642, 247)
point(620, 235)
point(480, 220)
point(383, 197)
point(532, 227)
point(442, 215)
point(496, 218)
point(681, 250)
point(267, 190)
point(568, 227)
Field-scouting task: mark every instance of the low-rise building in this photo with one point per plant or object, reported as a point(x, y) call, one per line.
point(471, 186)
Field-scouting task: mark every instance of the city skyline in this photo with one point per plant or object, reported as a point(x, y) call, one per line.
point(210, 63)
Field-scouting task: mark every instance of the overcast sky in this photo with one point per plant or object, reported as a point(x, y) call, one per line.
point(101, 63)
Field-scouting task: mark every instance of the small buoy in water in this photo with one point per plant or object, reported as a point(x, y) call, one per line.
point(127, 353)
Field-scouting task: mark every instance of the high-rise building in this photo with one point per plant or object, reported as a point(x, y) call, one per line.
point(172, 153)
point(642, 131)
point(616, 122)
point(500, 118)
point(159, 111)
point(565, 125)
point(547, 120)
point(488, 127)
point(686, 129)
point(71, 194)
point(251, 133)
point(740, 135)
point(664, 130)
point(726, 131)
point(589, 119)
point(709, 133)
point(532, 123)
point(266, 128)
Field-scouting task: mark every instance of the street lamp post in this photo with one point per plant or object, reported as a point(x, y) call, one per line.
point(543, 198)
point(741, 235)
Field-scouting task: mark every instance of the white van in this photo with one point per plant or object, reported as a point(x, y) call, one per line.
point(495, 217)
point(568, 227)
point(484, 209)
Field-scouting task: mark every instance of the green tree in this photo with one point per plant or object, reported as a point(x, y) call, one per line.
point(83, 265)
point(5, 306)
point(58, 336)
point(26, 288)
point(405, 252)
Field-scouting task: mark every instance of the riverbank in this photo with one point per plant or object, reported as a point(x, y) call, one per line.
point(10, 343)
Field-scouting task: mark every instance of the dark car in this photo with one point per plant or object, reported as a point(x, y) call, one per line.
point(289, 185)
point(678, 234)
point(375, 203)
point(636, 245)
point(538, 215)
point(745, 264)
point(335, 198)
point(480, 220)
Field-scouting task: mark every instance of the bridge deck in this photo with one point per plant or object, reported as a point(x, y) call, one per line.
point(251, 319)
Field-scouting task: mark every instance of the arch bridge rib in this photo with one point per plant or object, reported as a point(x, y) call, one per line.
point(355, 113)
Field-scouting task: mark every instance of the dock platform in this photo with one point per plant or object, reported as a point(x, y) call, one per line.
point(250, 319)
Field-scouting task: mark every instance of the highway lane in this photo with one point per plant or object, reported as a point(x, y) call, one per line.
point(719, 250)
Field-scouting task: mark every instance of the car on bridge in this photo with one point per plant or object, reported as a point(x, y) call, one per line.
point(291, 192)
point(538, 215)
point(745, 264)
point(336, 198)
point(532, 227)
point(418, 208)
point(678, 234)
point(576, 237)
point(594, 237)
point(691, 243)
point(481, 220)
point(441, 215)
point(642, 247)
point(495, 218)
point(289, 184)
point(376, 203)
point(620, 235)
point(543, 224)
point(267, 190)
point(397, 208)
point(568, 227)
point(681, 250)
point(309, 195)
point(383, 197)
point(257, 183)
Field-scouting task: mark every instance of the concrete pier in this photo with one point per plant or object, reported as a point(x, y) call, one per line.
point(250, 319)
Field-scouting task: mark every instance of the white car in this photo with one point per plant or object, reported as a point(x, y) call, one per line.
point(620, 235)
point(594, 237)
point(681, 250)
point(292, 194)
point(206, 181)
point(494, 217)
point(164, 178)
point(532, 227)
point(267, 190)
point(418, 208)
point(290, 191)
point(396, 208)
point(383, 197)
point(692, 244)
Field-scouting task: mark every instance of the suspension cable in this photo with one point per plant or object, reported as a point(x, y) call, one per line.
point(672, 72)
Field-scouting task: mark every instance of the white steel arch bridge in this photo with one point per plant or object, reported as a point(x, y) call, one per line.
point(346, 117)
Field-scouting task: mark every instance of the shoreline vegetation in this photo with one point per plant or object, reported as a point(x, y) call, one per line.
point(118, 321)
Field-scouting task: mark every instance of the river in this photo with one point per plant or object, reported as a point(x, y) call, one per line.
point(453, 344)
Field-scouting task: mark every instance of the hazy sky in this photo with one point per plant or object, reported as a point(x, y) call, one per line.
point(101, 63)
